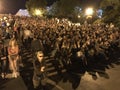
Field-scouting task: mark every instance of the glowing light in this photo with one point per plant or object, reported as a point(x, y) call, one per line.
point(38, 12)
point(89, 11)
point(5, 18)
point(88, 17)
point(1, 19)
point(79, 16)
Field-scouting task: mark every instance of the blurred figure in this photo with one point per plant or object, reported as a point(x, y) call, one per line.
point(13, 55)
point(36, 45)
point(40, 77)
point(39, 68)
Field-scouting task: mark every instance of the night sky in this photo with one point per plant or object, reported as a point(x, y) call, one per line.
point(12, 6)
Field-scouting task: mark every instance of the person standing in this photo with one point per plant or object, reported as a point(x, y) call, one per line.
point(40, 78)
point(13, 56)
point(39, 69)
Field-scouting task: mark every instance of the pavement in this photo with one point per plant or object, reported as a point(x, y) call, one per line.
point(13, 84)
point(96, 76)
point(110, 80)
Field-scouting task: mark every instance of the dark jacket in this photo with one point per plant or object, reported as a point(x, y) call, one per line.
point(36, 45)
point(37, 67)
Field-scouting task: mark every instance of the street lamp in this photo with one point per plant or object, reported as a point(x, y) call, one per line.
point(89, 11)
point(38, 12)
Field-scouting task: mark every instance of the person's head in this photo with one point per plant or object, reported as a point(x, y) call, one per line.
point(79, 53)
point(40, 55)
point(12, 42)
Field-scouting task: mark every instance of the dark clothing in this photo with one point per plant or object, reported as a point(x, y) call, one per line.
point(39, 78)
point(37, 67)
point(36, 45)
point(38, 75)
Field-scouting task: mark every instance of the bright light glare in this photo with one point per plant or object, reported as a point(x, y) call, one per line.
point(79, 16)
point(5, 18)
point(38, 12)
point(89, 11)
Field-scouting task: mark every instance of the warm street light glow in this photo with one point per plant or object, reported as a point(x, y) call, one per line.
point(89, 11)
point(89, 16)
point(4, 18)
point(38, 12)
point(79, 16)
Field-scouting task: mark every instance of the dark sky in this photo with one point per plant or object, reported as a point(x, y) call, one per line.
point(12, 6)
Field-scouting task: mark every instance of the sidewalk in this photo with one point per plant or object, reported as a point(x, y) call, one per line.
point(110, 80)
point(13, 84)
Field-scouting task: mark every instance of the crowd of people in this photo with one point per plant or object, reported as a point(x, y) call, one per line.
point(57, 38)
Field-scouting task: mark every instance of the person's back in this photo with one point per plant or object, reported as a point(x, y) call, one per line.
point(36, 45)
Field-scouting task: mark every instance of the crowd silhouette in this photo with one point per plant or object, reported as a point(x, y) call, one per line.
point(78, 48)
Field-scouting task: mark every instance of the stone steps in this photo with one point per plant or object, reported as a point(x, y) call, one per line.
point(27, 56)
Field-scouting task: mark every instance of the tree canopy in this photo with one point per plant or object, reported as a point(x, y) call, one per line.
point(67, 8)
point(32, 5)
point(64, 8)
point(111, 11)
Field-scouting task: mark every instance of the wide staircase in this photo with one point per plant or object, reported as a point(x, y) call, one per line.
point(52, 66)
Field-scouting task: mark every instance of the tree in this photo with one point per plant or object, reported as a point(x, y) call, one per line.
point(54, 9)
point(107, 3)
point(111, 11)
point(32, 5)
point(64, 8)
